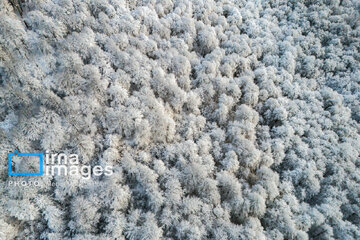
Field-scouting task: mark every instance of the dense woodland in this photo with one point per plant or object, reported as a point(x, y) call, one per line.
point(222, 119)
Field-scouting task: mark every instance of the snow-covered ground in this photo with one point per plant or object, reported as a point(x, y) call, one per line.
point(221, 119)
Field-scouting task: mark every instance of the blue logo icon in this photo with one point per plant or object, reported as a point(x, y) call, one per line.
point(16, 153)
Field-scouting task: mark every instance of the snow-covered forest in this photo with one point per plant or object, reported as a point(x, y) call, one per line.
point(224, 120)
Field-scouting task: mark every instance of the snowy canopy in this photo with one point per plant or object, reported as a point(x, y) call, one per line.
point(225, 119)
